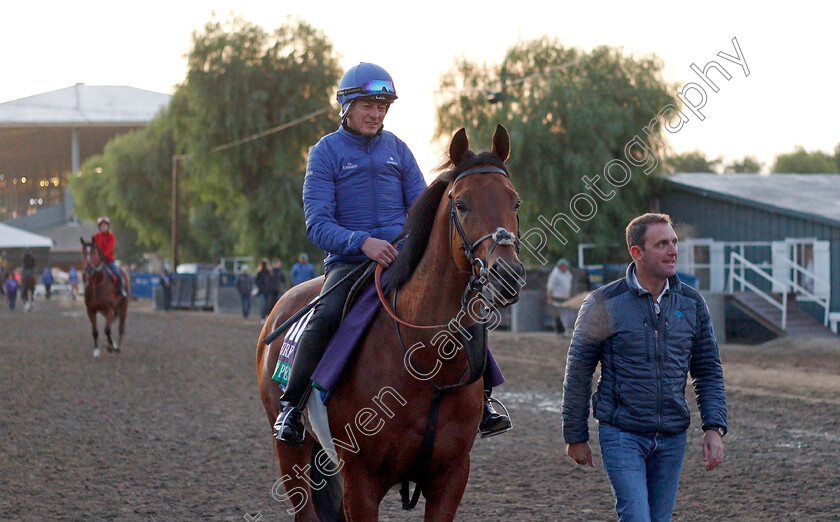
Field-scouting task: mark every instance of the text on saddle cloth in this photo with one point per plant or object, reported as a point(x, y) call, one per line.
point(289, 349)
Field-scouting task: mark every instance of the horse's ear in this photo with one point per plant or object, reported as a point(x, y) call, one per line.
point(501, 143)
point(459, 147)
point(82, 240)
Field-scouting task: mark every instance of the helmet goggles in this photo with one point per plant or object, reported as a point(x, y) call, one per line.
point(374, 88)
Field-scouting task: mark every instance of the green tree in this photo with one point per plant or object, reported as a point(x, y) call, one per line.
point(694, 162)
point(131, 182)
point(748, 165)
point(242, 81)
point(244, 198)
point(569, 112)
point(801, 161)
point(837, 156)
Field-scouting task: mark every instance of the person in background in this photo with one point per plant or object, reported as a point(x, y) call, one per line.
point(11, 287)
point(279, 278)
point(3, 275)
point(73, 280)
point(48, 280)
point(4, 270)
point(28, 260)
point(559, 289)
point(244, 284)
point(265, 285)
point(303, 270)
point(166, 287)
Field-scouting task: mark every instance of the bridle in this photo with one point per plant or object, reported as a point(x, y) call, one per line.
point(90, 268)
point(480, 269)
point(501, 236)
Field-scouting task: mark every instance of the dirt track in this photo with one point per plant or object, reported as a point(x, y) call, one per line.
point(173, 429)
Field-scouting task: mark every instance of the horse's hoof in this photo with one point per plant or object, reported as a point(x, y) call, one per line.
point(96, 353)
point(116, 349)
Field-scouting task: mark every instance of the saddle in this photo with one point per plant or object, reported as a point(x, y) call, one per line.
point(113, 277)
point(293, 334)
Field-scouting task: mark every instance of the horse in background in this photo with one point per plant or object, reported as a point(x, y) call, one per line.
point(101, 296)
point(461, 238)
point(28, 280)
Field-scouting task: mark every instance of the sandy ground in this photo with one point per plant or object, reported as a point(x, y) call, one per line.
point(173, 429)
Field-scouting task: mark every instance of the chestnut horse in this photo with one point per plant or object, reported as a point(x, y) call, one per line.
point(28, 280)
point(391, 399)
point(101, 296)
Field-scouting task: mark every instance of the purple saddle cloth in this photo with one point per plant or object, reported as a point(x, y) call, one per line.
point(347, 337)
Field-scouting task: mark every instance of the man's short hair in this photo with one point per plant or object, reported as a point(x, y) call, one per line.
point(635, 233)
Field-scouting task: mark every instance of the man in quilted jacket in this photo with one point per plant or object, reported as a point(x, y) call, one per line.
point(647, 331)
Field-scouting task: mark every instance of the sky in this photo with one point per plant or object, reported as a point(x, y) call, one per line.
point(787, 100)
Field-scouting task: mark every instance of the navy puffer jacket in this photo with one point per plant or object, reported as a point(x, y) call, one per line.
point(357, 187)
point(644, 361)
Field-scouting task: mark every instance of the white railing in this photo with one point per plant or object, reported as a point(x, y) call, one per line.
point(741, 278)
point(741, 245)
point(808, 295)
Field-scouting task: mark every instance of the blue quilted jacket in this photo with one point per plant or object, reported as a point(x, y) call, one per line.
point(644, 361)
point(357, 187)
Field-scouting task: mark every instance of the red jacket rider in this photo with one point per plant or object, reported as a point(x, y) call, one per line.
point(106, 241)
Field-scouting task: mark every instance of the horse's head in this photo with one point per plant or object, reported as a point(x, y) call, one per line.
point(484, 218)
point(91, 254)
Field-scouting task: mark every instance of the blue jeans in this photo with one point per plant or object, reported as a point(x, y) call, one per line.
point(266, 305)
point(644, 471)
point(112, 268)
point(246, 304)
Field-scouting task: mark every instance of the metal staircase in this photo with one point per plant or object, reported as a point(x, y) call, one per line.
point(776, 311)
point(797, 322)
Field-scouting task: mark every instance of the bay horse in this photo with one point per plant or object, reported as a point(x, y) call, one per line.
point(101, 296)
point(389, 398)
point(28, 280)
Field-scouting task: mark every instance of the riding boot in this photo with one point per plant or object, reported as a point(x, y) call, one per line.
point(311, 347)
point(289, 426)
point(120, 286)
point(492, 423)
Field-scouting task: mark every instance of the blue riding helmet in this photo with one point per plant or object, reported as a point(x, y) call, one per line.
point(366, 80)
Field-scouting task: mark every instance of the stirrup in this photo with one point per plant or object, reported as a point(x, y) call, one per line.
point(488, 434)
point(283, 421)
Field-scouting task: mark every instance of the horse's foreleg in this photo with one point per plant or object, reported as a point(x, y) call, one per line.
point(109, 318)
point(294, 487)
point(361, 495)
point(94, 332)
point(121, 314)
point(444, 491)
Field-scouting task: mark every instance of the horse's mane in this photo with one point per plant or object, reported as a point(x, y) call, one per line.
point(422, 215)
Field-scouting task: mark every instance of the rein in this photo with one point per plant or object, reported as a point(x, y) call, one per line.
point(377, 278)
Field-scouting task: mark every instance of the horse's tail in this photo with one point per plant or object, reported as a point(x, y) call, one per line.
point(326, 500)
